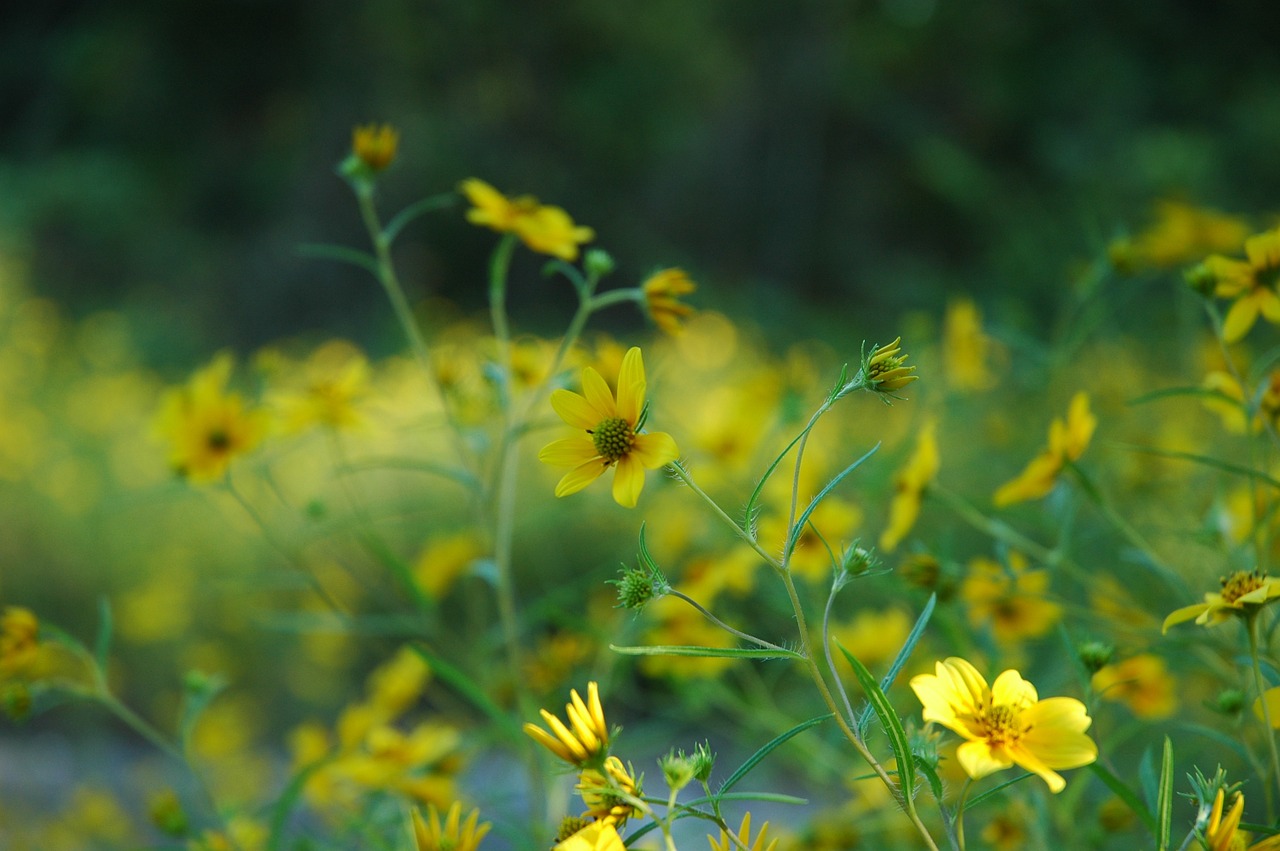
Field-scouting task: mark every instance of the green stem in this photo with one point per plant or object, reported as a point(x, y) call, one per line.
point(1251, 627)
point(682, 473)
point(715, 620)
point(964, 796)
point(1134, 537)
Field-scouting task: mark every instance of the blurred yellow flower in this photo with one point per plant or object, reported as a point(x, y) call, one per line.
point(605, 791)
point(375, 145)
point(874, 636)
point(493, 210)
point(744, 835)
point(1227, 399)
point(547, 230)
point(452, 834)
point(585, 741)
point(611, 438)
point(1006, 724)
point(1142, 682)
point(334, 380)
point(19, 641)
point(1067, 442)
point(1181, 233)
point(1012, 600)
point(444, 559)
point(833, 521)
point(1222, 833)
point(1243, 593)
point(662, 292)
point(1251, 282)
point(966, 350)
point(205, 425)
point(909, 486)
point(885, 369)
point(597, 836)
point(396, 684)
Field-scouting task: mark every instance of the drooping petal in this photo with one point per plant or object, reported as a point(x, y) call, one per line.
point(1240, 319)
point(655, 450)
point(631, 386)
point(1184, 614)
point(978, 759)
point(575, 410)
point(569, 451)
point(1031, 763)
point(598, 395)
point(628, 481)
point(581, 476)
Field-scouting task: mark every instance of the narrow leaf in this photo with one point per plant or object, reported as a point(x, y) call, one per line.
point(1124, 793)
point(755, 494)
point(1164, 798)
point(102, 642)
point(990, 793)
point(1215, 463)
point(754, 759)
point(889, 720)
point(712, 652)
point(804, 517)
point(470, 690)
point(904, 654)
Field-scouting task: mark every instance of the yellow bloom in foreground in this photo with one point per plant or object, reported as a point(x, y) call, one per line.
point(450, 835)
point(885, 370)
point(1142, 682)
point(909, 487)
point(547, 230)
point(1006, 724)
point(1251, 282)
point(744, 833)
point(1067, 442)
point(1222, 833)
point(1242, 594)
point(597, 836)
point(611, 438)
point(375, 145)
point(585, 740)
point(662, 292)
point(207, 426)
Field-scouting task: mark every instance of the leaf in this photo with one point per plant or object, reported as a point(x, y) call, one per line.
point(901, 659)
point(342, 254)
point(935, 782)
point(285, 803)
point(755, 494)
point(990, 793)
point(414, 210)
point(1164, 798)
point(470, 690)
point(1124, 793)
point(891, 723)
point(1216, 463)
point(711, 652)
point(102, 642)
point(804, 517)
point(754, 759)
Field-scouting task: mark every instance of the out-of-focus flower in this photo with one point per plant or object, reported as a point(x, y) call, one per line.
point(611, 439)
point(606, 790)
point(19, 641)
point(662, 292)
point(395, 685)
point(597, 836)
point(1011, 599)
point(1181, 233)
point(885, 370)
point(1223, 833)
point(1227, 399)
point(1243, 594)
point(1007, 723)
point(966, 350)
point(453, 834)
point(909, 486)
point(761, 842)
point(493, 210)
point(547, 230)
point(1067, 442)
point(1142, 682)
point(1007, 831)
point(444, 559)
point(205, 425)
point(1250, 282)
point(874, 636)
point(334, 381)
point(585, 740)
point(375, 145)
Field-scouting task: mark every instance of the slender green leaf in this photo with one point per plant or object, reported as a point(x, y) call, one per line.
point(754, 759)
point(285, 803)
point(1170, 392)
point(1164, 798)
point(995, 790)
point(342, 254)
point(755, 494)
point(713, 652)
point(804, 517)
point(891, 723)
point(935, 782)
point(414, 210)
point(913, 638)
point(412, 465)
point(201, 690)
point(1124, 793)
point(469, 689)
point(102, 642)
point(1216, 463)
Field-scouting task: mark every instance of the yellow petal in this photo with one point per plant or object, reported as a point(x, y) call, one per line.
point(631, 386)
point(1184, 614)
point(598, 396)
point(575, 410)
point(978, 759)
point(1010, 689)
point(1031, 763)
point(655, 450)
point(628, 481)
point(1240, 319)
point(1271, 699)
point(581, 476)
point(568, 452)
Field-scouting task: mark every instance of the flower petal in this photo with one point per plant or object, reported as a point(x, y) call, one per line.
point(1029, 761)
point(1184, 614)
point(598, 395)
point(569, 452)
point(1010, 689)
point(575, 410)
point(654, 450)
point(978, 759)
point(1240, 319)
point(628, 480)
point(631, 386)
point(581, 476)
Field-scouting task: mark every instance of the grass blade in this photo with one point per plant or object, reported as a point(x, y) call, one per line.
point(712, 652)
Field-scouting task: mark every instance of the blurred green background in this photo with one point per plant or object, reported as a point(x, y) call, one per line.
point(871, 156)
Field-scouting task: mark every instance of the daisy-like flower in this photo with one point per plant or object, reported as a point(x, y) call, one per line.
point(545, 229)
point(585, 740)
point(1067, 442)
point(1223, 833)
point(606, 791)
point(1242, 594)
point(662, 292)
point(597, 836)
point(1143, 683)
point(1006, 724)
point(375, 145)
point(744, 833)
point(909, 486)
point(885, 370)
point(452, 834)
point(493, 210)
point(207, 426)
point(1251, 282)
point(611, 439)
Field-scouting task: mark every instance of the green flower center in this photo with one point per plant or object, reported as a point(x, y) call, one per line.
point(613, 438)
point(1240, 583)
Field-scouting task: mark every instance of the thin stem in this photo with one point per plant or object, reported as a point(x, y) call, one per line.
point(826, 649)
point(964, 795)
point(1133, 535)
point(682, 473)
point(715, 620)
point(1251, 627)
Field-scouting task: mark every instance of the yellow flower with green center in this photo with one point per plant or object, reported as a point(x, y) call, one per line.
point(375, 145)
point(662, 292)
point(744, 834)
point(611, 438)
point(1242, 594)
point(452, 834)
point(1223, 833)
point(597, 836)
point(1251, 282)
point(206, 426)
point(585, 739)
point(1006, 724)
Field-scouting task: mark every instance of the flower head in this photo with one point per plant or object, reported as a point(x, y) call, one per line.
point(206, 426)
point(596, 836)
point(450, 835)
point(611, 438)
point(1142, 682)
point(585, 740)
point(19, 640)
point(1013, 600)
point(375, 145)
point(744, 834)
point(909, 486)
point(1243, 594)
point(885, 370)
point(1068, 439)
point(545, 229)
point(1251, 282)
point(1223, 833)
point(967, 351)
point(1006, 724)
point(662, 292)
point(606, 791)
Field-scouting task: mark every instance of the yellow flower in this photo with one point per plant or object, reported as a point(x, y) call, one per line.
point(744, 834)
point(547, 230)
point(966, 350)
point(611, 438)
point(444, 559)
point(1067, 442)
point(333, 381)
point(597, 836)
point(375, 145)
point(1012, 600)
point(1242, 594)
point(205, 425)
point(874, 636)
point(1180, 234)
point(1224, 834)
point(19, 641)
point(605, 792)
point(662, 292)
point(1006, 724)
point(1142, 682)
point(909, 486)
point(450, 835)
point(885, 370)
point(1251, 282)
point(585, 740)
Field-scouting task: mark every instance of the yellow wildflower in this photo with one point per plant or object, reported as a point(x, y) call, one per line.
point(1251, 282)
point(585, 740)
point(547, 230)
point(19, 641)
point(207, 426)
point(662, 292)
point(909, 486)
point(450, 835)
point(491, 209)
point(1067, 442)
point(444, 559)
point(1243, 594)
point(1006, 724)
point(1223, 833)
point(874, 636)
point(885, 370)
point(744, 834)
point(375, 145)
point(611, 438)
point(334, 380)
point(1012, 600)
point(597, 836)
point(1180, 234)
point(966, 350)
point(605, 791)
point(1142, 682)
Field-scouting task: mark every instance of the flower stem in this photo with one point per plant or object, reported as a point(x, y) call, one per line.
point(760, 642)
point(682, 473)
